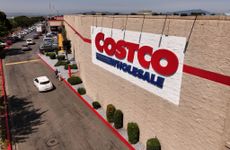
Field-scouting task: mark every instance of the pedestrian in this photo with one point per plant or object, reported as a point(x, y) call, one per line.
point(59, 76)
point(56, 73)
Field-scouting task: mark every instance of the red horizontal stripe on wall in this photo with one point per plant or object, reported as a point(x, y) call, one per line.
point(216, 77)
point(84, 39)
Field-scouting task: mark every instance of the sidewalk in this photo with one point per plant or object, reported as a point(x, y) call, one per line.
point(4, 111)
point(101, 111)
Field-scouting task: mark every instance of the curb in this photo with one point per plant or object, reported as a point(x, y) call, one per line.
point(97, 114)
point(8, 135)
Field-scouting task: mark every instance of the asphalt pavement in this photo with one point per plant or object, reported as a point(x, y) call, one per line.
point(57, 119)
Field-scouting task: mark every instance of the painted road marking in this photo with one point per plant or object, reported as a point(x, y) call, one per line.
point(22, 62)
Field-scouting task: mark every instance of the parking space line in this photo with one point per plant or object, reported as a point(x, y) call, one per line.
point(22, 62)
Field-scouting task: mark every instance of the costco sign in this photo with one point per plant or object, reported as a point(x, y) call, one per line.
point(138, 58)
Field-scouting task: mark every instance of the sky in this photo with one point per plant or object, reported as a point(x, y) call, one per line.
point(67, 6)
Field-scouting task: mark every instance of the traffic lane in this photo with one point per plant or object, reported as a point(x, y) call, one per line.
point(58, 114)
point(16, 54)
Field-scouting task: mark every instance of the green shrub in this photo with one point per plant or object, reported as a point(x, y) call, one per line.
point(61, 63)
point(110, 112)
point(118, 119)
point(133, 132)
point(61, 57)
point(3, 128)
point(48, 53)
point(74, 80)
point(96, 105)
point(153, 144)
point(56, 51)
point(66, 66)
point(58, 63)
point(81, 91)
point(73, 66)
point(52, 55)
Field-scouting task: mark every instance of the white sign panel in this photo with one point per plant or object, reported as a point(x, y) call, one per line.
point(153, 62)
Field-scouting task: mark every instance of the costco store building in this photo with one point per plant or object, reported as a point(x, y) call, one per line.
point(170, 75)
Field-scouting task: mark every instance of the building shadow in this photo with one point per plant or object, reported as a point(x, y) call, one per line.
point(24, 118)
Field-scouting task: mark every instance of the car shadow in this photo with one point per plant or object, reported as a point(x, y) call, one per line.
point(54, 87)
point(24, 118)
point(32, 44)
point(13, 51)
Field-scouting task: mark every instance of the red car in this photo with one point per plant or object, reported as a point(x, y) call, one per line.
point(9, 42)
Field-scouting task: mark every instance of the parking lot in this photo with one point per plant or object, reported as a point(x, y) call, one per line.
point(56, 120)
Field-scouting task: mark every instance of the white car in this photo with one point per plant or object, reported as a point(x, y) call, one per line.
point(3, 44)
point(43, 83)
point(30, 41)
point(26, 48)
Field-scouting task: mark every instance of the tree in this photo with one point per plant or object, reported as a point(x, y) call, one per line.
point(8, 24)
point(13, 23)
point(20, 21)
point(5, 25)
point(67, 46)
point(175, 14)
point(197, 13)
point(3, 30)
point(2, 15)
point(23, 21)
point(183, 14)
point(63, 32)
point(37, 19)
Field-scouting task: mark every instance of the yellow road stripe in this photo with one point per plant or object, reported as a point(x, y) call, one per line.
point(22, 62)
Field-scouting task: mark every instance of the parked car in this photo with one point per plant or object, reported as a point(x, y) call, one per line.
point(49, 35)
point(36, 36)
point(26, 48)
point(16, 38)
point(23, 33)
point(47, 39)
point(2, 43)
point(54, 33)
point(47, 47)
point(20, 36)
point(10, 40)
point(43, 83)
point(30, 41)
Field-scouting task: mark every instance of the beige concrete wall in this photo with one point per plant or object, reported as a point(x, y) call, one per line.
point(202, 119)
point(55, 23)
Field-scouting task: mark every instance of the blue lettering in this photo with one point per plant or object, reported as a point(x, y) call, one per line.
point(140, 73)
point(136, 72)
point(146, 77)
point(119, 64)
point(159, 83)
